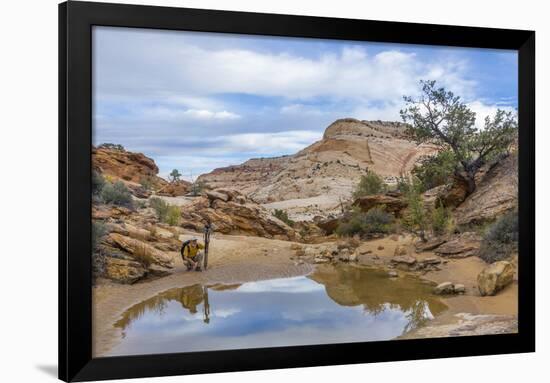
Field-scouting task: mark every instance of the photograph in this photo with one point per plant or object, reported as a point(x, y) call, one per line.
point(253, 191)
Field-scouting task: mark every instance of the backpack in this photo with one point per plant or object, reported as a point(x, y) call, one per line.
point(183, 246)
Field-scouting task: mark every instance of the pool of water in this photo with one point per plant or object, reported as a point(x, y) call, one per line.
point(335, 304)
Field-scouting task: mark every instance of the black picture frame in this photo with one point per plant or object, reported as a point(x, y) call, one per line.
point(75, 110)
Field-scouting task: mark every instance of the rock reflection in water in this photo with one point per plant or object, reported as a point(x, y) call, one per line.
point(333, 305)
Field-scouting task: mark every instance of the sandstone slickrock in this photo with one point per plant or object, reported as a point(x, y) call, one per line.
point(461, 246)
point(495, 277)
point(496, 194)
point(331, 166)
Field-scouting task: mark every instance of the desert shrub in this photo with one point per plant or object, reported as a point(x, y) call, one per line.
point(146, 183)
point(501, 238)
point(173, 215)
point(283, 216)
point(116, 193)
point(435, 170)
point(369, 184)
point(160, 207)
point(166, 213)
point(376, 220)
point(440, 220)
point(108, 145)
point(142, 254)
point(197, 188)
point(97, 182)
point(99, 230)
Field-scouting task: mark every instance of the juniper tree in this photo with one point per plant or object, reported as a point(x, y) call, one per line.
point(440, 117)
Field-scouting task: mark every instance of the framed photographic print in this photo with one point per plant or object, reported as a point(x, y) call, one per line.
point(246, 191)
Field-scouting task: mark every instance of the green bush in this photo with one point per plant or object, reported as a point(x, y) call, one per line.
point(99, 230)
point(166, 213)
point(116, 193)
point(110, 146)
point(375, 221)
point(283, 216)
point(415, 218)
point(369, 184)
point(173, 216)
point(435, 170)
point(440, 220)
point(501, 238)
point(97, 182)
point(146, 183)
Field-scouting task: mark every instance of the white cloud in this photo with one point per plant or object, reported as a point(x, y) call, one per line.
point(483, 110)
point(198, 70)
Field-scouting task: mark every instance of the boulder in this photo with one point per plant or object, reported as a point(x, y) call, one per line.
point(459, 288)
point(495, 277)
point(175, 189)
point(134, 246)
point(123, 270)
point(461, 246)
point(444, 288)
point(391, 204)
point(216, 195)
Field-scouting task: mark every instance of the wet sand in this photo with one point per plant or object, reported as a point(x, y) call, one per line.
point(239, 259)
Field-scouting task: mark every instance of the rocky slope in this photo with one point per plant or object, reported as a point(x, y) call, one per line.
point(134, 169)
point(496, 193)
point(331, 166)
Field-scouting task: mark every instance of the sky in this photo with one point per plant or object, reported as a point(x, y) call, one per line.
point(196, 101)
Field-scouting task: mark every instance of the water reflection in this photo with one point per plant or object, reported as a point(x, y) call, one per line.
point(333, 305)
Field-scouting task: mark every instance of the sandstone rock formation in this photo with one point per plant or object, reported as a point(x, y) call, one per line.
point(495, 277)
point(124, 165)
point(496, 193)
point(174, 189)
point(231, 213)
point(331, 166)
point(461, 246)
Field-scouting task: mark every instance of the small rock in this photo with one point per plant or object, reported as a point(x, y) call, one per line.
point(380, 247)
point(320, 260)
point(459, 288)
point(400, 250)
point(406, 259)
point(444, 288)
point(393, 274)
point(353, 257)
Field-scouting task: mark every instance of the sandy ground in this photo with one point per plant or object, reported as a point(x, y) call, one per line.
point(238, 259)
